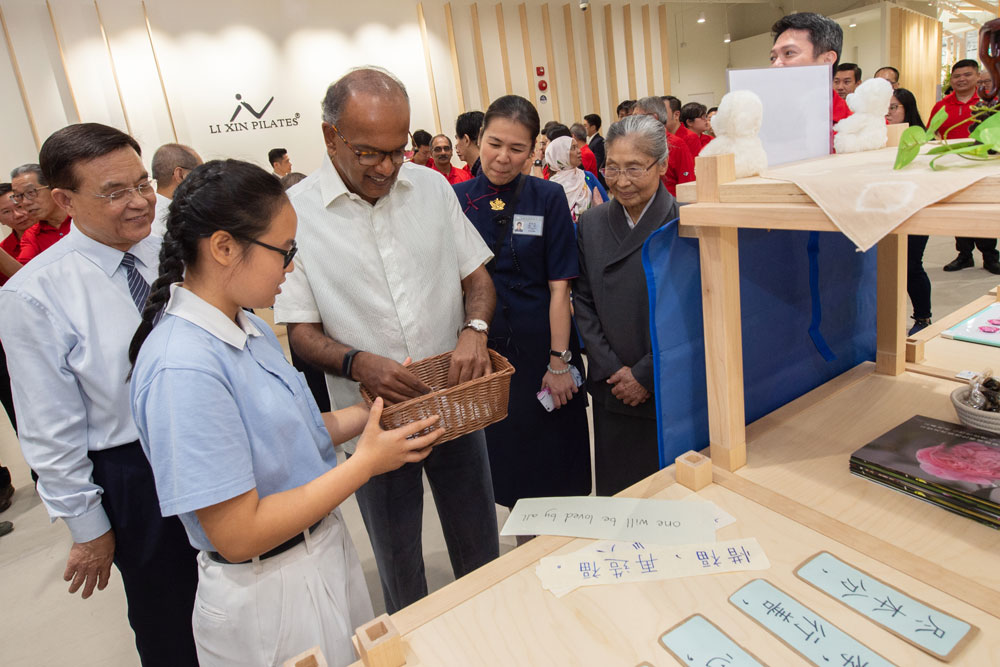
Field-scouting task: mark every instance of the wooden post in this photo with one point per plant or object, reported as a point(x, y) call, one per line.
point(378, 643)
point(890, 355)
point(693, 470)
point(720, 293)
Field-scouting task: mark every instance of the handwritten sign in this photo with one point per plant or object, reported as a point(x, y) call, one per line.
point(627, 519)
point(697, 642)
point(623, 562)
point(926, 627)
point(802, 629)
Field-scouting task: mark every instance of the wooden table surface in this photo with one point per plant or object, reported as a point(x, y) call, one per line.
point(796, 497)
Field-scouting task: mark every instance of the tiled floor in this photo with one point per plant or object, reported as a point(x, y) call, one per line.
point(40, 624)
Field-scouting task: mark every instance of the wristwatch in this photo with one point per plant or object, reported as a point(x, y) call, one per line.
point(348, 363)
point(565, 355)
point(538, 163)
point(479, 326)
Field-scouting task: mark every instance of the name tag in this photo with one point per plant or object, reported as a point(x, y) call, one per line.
point(529, 225)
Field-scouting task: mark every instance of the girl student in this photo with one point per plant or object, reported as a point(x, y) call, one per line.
point(239, 450)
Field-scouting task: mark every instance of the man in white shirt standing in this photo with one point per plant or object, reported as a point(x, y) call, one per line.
point(385, 257)
point(68, 319)
point(171, 165)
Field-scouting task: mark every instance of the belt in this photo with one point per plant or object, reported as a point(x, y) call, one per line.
point(280, 549)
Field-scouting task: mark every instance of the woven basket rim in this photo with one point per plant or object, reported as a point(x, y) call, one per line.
point(956, 398)
point(507, 369)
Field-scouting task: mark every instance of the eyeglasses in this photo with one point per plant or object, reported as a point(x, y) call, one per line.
point(29, 195)
point(633, 173)
point(371, 158)
point(144, 189)
point(441, 149)
point(287, 254)
point(893, 107)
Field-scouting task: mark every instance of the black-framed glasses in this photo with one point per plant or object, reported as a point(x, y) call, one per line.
point(289, 254)
point(29, 195)
point(632, 172)
point(371, 158)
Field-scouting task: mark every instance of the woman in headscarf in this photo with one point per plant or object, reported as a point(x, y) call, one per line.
point(582, 189)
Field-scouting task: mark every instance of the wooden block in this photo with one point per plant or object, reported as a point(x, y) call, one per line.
point(895, 132)
point(914, 351)
point(379, 644)
point(311, 658)
point(693, 470)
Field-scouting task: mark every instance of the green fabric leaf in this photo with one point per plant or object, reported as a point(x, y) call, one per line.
point(989, 125)
point(909, 146)
point(936, 122)
point(947, 148)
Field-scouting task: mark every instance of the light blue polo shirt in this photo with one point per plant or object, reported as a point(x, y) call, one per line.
point(220, 411)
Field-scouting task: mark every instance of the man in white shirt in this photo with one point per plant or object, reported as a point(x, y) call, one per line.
point(68, 319)
point(385, 257)
point(171, 165)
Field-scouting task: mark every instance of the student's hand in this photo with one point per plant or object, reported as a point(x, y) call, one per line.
point(561, 387)
point(470, 360)
point(89, 564)
point(626, 388)
point(383, 451)
point(386, 378)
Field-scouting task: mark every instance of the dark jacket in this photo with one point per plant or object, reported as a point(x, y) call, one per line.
point(610, 298)
point(597, 145)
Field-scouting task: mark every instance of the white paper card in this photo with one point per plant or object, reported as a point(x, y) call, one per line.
point(599, 517)
point(797, 109)
point(623, 562)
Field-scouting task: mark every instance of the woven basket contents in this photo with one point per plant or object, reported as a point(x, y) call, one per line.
point(464, 408)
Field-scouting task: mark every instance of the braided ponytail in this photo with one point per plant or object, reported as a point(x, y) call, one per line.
point(220, 195)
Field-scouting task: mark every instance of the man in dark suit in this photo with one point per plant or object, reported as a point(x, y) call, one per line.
point(592, 122)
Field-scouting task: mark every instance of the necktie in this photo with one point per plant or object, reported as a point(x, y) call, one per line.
point(137, 285)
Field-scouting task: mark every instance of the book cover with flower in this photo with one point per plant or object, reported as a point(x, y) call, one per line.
point(946, 464)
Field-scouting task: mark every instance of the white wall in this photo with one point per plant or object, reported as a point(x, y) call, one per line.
point(210, 51)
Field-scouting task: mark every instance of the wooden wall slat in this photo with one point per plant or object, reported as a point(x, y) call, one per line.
point(551, 67)
point(430, 67)
point(62, 59)
point(609, 48)
point(159, 72)
point(477, 44)
point(456, 70)
point(504, 56)
point(664, 48)
point(595, 93)
point(114, 70)
point(529, 66)
point(647, 38)
point(629, 51)
point(574, 84)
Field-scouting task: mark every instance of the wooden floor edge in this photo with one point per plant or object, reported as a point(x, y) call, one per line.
point(923, 570)
point(799, 405)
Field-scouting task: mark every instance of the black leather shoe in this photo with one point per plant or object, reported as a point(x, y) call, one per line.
point(959, 263)
point(5, 496)
point(992, 265)
point(6, 527)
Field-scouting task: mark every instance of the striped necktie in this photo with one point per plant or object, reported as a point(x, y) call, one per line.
point(137, 285)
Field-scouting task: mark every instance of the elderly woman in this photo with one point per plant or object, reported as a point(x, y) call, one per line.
point(611, 304)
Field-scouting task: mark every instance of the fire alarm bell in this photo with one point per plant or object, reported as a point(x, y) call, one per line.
point(542, 85)
point(540, 71)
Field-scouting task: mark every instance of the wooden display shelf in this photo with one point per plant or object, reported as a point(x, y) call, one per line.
point(725, 204)
point(500, 615)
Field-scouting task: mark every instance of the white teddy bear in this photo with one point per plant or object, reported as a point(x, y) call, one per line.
point(865, 130)
point(737, 126)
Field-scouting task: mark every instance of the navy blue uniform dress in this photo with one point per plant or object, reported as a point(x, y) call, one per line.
point(533, 453)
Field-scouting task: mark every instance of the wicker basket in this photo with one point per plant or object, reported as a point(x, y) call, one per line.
point(464, 408)
point(971, 417)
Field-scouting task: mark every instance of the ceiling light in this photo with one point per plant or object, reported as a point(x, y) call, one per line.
point(853, 24)
point(726, 38)
point(701, 17)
